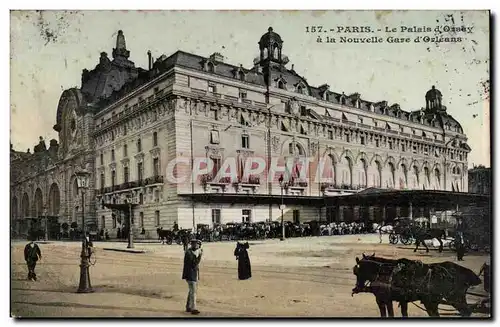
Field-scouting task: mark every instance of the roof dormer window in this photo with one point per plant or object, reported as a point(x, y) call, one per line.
point(211, 67)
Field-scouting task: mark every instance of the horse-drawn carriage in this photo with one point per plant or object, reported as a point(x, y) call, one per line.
point(402, 231)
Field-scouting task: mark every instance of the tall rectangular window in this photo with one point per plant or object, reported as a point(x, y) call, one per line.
point(330, 135)
point(215, 216)
point(103, 222)
point(156, 166)
point(246, 215)
point(125, 150)
point(155, 139)
point(103, 181)
point(214, 137)
point(112, 155)
point(245, 142)
point(113, 178)
point(141, 219)
point(125, 174)
point(139, 171)
point(102, 159)
point(113, 218)
point(139, 145)
point(157, 218)
point(362, 140)
point(217, 166)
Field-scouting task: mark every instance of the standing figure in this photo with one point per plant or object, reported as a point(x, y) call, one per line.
point(32, 254)
point(191, 273)
point(244, 267)
point(459, 239)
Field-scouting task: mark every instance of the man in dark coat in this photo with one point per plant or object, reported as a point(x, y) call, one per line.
point(459, 239)
point(244, 267)
point(191, 273)
point(32, 254)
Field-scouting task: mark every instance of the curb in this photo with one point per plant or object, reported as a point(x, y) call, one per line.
point(124, 250)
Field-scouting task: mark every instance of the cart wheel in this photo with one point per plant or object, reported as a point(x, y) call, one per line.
point(393, 238)
point(169, 241)
point(451, 245)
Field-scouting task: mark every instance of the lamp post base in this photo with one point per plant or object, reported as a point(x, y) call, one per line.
point(85, 286)
point(282, 239)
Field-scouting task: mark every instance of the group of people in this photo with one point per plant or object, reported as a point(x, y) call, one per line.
point(191, 269)
point(192, 258)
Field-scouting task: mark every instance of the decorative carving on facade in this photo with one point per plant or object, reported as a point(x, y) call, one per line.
point(214, 151)
point(155, 152)
point(276, 143)
point(314, 148)
point(139, 157)
point(294, 107)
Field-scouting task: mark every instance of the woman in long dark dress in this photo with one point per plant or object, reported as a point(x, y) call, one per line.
point(244, 267)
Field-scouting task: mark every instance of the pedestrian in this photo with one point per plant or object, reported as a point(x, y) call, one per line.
point(244, 267)
point(191, 273)
point(32, 254)
point(459, 239)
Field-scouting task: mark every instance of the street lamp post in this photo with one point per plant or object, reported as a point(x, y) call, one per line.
point(82, 177)
point(130, 234)
point(282, 207)
point(46, 238)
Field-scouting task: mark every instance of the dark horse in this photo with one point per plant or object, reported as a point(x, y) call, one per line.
point(421, 235)
point(406, 281)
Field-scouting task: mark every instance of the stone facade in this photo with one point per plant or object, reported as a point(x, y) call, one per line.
point(480, 180)
point(191, 107)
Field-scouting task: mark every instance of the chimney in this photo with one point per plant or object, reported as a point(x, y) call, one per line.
point(150, 60)
point(217, 57)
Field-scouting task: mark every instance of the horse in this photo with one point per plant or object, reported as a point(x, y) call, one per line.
point(421, 235)
point(386, 229)
point(406, 281)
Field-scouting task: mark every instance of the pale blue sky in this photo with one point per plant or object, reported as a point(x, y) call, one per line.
point(49, 51)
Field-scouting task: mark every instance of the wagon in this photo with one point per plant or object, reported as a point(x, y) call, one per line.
point(402, 231)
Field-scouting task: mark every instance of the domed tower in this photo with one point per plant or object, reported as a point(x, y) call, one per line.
point(433, 99)
point(270, 46)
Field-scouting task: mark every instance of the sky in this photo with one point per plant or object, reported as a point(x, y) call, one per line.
point(49, 50)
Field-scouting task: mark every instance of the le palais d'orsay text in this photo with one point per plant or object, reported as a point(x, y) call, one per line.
point(442, 33)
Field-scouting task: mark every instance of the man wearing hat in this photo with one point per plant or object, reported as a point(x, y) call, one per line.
point(32, 254)
point(460, 229)
point(191, 273)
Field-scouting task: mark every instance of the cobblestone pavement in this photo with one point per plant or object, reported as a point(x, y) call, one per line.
point(298, 277)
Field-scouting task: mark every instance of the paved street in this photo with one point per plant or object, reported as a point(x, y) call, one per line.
point(298, 277)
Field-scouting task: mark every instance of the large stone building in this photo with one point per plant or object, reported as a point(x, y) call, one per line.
point(129, 125)
point(480, 180)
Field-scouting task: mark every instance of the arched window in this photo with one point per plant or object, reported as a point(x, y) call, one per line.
point(458, 171)
point(416, 176)
point(437, 175)
point(281, 85)
point(404, 181)
point(363, 173)
point(347, 175)
point(392, 180)
point(378, 166)
point(299, 150)
point(427, 176)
